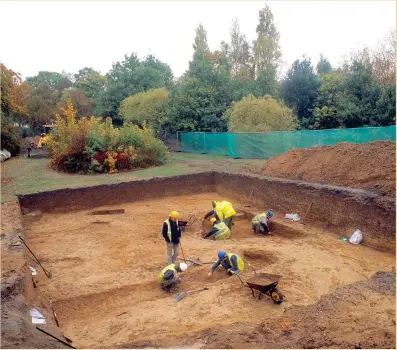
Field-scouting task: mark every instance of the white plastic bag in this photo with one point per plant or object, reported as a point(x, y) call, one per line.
point(356, 237)
point(293, 217)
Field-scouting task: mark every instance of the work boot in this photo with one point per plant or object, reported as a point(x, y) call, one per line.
point(173, 289)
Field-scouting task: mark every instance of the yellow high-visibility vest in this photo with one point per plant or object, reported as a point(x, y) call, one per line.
point(240, 262)
point(258, 218)
point(223, 231)
point(161, 279)
point(224, 210)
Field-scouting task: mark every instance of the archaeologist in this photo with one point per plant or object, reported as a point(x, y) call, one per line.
point(219, 230)
point(168, 278)
point(231, 262)
point(172, 235)
point(30, 147)
point(223, 211)
point(261, 223)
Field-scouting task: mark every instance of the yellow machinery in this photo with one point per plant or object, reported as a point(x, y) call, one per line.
point(43, 138)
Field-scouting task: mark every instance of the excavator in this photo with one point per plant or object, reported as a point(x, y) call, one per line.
point(40, 141)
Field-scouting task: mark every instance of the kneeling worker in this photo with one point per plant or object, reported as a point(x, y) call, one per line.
point(219, 230)
point(223, 211)
point(168, 278)
point(232, 263)
point(261, 222)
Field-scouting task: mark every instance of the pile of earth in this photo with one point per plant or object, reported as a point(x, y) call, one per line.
point(370, 166)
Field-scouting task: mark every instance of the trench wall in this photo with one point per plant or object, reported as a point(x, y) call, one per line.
point(336, 209)
point(69, 200)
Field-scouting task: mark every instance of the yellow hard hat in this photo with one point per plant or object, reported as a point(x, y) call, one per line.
point(212, 221)
point(174, 214)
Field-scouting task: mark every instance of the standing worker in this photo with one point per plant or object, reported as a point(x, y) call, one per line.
point(224, 211)
point(172, 235)
point(231, 262)
point(168, 278)
point(261, 222)
point(30, 146)
point(219, 230)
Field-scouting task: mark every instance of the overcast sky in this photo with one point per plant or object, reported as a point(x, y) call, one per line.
point(68, 36)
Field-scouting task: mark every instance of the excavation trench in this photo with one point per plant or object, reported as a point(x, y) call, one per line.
point(105, 267)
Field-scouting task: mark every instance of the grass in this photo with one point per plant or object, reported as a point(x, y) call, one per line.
point(30, 175)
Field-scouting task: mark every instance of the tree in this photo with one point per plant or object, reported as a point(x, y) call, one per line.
point(380, 60)
point(386, 107)
point(14, 95)
point(239, 51)
point(267, 52)
point(330, 102)
point(199, 98)
point(54, 80)
point(384, 60)
point(262, 114)
point(42, 104)
point(10, 139)
point(354, 100)
point(200, 41)
point(131, 76)
point(80, 101)
point(299, 90)
point(323, 66)
point(200, 66)
point(363, 92)
point(146, 109)
point(194, 107)
point(93, 85)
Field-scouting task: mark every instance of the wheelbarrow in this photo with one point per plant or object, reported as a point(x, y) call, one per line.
point(265, 283)
point(182, 223)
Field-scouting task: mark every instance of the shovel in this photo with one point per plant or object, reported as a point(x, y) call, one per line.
point(181, 295)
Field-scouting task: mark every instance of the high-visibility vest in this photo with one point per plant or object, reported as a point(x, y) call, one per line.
point(161, 279)
point(240, 262)
point(258, 218)
point(223, 231)
point(169, 227)
point(224, 210)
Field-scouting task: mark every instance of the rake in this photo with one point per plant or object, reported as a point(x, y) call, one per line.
point(181, 295)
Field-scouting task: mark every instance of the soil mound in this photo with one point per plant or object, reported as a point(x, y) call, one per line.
point(370, 166)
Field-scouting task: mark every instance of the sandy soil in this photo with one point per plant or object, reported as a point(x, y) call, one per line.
point(104, 282)
point(16, 295)
point(370, 166)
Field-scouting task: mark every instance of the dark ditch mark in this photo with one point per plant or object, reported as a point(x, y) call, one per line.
point(108, 212)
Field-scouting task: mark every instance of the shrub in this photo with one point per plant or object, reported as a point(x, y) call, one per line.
point(92, 145)
point(263, 114)
point(10, 139)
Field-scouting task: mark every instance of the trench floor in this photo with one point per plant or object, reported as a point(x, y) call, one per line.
point(105, 268)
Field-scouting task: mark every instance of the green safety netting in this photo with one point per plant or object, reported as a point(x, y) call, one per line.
point(266, 145)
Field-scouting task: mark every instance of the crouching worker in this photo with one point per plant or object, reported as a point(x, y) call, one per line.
point(223, 211)
point(232, 263)
point(219, 230)
point(261, 223)
point(168, 278)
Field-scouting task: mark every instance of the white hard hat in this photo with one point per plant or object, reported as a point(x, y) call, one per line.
point(183, 266)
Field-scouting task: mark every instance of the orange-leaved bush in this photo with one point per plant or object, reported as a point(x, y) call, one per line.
point(88, 145)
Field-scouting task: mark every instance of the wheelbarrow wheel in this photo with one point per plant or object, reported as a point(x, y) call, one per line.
point(277, 296)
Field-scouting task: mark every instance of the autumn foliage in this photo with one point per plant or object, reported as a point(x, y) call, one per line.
point(89, 145)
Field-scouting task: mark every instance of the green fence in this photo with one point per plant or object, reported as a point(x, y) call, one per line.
point(266, 145)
